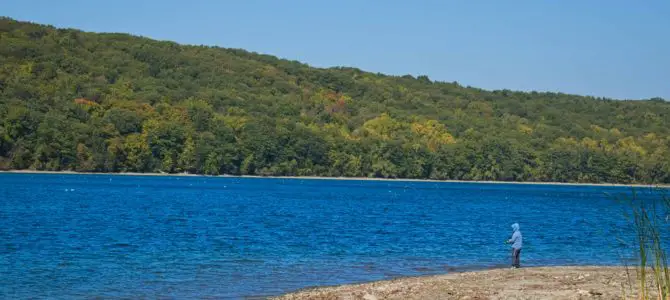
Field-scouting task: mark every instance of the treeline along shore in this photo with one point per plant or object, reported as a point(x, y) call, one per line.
point(109, 102)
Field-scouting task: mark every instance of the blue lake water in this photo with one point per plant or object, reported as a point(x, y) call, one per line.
point(86, 236)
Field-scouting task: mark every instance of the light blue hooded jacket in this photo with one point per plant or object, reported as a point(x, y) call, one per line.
point(517, 239)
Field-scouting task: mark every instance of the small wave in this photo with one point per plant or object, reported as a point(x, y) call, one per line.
point(423, 269)
point(120, 245)
point(248, 261)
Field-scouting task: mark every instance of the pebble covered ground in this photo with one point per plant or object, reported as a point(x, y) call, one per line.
point(525, 283)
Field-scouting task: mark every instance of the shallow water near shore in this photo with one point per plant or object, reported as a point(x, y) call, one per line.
point(86, 236)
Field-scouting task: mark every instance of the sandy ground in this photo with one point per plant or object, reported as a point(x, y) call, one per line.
point(334, 178)
point(525, 283)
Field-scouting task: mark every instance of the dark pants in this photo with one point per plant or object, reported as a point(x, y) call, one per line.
point(516, 262)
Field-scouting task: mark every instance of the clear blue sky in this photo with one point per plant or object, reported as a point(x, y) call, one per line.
point(613, 48)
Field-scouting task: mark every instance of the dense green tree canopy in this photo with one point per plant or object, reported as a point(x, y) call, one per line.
point(71, 100)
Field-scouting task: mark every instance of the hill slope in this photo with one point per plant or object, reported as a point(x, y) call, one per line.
point(71, 100)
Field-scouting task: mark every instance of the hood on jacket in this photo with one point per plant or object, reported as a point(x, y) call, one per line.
point(515, 227)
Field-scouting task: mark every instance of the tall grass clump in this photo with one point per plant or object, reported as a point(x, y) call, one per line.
point(650, 220)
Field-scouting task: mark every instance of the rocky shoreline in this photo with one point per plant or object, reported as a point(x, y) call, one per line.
point(525, 283)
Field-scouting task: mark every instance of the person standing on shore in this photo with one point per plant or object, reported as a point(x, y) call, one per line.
point(517, 243)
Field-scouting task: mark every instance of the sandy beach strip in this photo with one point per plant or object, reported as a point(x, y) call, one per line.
point(526, 283)
point(335, 178)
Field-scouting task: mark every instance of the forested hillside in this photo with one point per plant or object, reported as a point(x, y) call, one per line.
point(71, 100)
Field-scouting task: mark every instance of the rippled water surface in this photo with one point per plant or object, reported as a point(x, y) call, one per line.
point(85, 236)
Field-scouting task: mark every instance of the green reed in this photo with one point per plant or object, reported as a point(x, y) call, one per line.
point(649, 219)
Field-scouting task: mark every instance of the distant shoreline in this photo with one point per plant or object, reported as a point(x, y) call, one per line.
point(333, 178)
